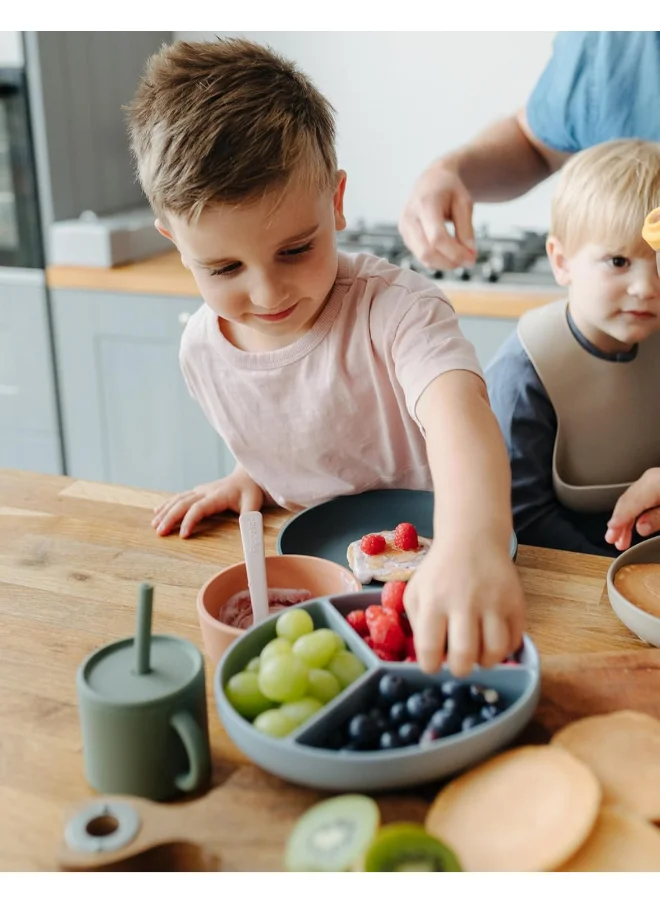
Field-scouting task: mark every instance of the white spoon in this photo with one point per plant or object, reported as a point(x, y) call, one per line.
point(252, 537)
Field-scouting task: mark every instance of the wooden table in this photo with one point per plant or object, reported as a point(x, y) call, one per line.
point(72, 555)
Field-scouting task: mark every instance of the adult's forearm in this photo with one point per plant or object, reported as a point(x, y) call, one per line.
point(498, 164)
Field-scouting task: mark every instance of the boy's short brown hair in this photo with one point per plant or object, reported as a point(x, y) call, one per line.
point(604, 194)
point(225, 121)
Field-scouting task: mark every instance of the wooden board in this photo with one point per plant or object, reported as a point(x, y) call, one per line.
point(578, 685)
point(241, 826)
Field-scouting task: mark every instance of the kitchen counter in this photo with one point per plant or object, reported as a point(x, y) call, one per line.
point(164, 274)
point(72, 555)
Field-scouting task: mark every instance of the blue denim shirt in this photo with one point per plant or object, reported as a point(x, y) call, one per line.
point(598, 85)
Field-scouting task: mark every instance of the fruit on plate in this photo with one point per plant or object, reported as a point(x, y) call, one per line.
point(333, 835)
point(294, 676)
point(385, 627)
point(407, 847)
point(403, 714)
point(387, 555)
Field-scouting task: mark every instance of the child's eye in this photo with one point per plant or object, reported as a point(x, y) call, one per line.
point(619, 262)
point(302, 249)
point(225, 271)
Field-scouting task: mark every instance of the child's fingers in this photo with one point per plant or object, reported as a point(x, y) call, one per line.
point(496, 639)
point(463, 643)
point(173, 515)
point(203, 508)
point(430, 642)
point(648, 523)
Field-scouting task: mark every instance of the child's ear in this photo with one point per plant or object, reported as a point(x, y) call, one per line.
point(338, 201)
point(558, 261)
point(161, 227)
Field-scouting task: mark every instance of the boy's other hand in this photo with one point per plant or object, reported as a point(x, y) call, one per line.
point(638, 507)
point(467, 602)
point(237, 493)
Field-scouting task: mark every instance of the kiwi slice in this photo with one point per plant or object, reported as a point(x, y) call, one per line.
point(333, 835)
point(406, 847)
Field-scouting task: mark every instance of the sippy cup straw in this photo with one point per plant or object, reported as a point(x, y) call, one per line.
point(143, 630)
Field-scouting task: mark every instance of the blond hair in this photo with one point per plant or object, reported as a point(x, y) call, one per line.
point(226, 121)
point(604, 195)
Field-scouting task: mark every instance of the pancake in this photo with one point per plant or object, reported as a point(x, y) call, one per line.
point(640, 584)
point(524, 810)
point(620, 843)
point(391, 565)
point(622, 749)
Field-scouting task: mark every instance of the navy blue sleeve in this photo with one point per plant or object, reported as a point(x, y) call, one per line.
point(597, 86)
point(529, 425)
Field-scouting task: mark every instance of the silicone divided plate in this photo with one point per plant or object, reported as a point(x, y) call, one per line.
point(325, 530)
point(300, 757)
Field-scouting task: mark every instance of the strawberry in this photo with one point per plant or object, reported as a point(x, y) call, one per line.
point(405, 536)
point(392, 596)
point(358, 621)
point(373, 544)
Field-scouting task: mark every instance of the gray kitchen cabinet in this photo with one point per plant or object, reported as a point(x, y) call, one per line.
point(127, 416)
point(29, 432)
point(486, 334)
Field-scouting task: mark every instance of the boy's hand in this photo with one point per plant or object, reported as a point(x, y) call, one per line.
point(467, 601)
point(238, 493)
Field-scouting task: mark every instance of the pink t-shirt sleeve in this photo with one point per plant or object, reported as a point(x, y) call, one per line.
point(427, 343)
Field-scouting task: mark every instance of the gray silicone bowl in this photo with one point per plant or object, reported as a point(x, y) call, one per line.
point(300, 759)
point(644, 625)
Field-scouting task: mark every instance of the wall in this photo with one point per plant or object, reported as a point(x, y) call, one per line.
point(404, 98)
point(11, 48)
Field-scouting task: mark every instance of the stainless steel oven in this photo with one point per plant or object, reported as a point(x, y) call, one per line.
point(20, 232)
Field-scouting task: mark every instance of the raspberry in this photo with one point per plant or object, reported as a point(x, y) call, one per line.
point(404, 621)
point(385, 630)
point(409, 650)
point(405, 536)
point(385, 653)
point(373, 544)
point(358, 621)
point(392, 596)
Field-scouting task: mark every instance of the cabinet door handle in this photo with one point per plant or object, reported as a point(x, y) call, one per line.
point(184, 317)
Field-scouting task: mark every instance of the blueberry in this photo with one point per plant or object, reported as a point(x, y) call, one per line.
point(449, 705)
point(399, 713)
point(471, 721)
point(389, 740)
point(455, 690)
point(489, 711)
point(491, 696)
point(428, 735)
point(420, 708)
point(445, 723)
point(379, 718)
point(433, 696)
point(409, 733)
point(363, 731)
point(392, 688)
point(335, 740)
point(477, 698)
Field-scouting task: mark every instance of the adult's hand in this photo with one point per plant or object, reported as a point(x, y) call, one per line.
point(439, 197)
point(638, 507)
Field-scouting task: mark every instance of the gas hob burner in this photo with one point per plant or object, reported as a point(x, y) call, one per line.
point(519, 257)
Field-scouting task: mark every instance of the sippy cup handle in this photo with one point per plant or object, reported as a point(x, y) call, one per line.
point(196, 749)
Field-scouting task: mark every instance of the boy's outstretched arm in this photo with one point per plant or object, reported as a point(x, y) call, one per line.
point(466, 596)
point(237, 493)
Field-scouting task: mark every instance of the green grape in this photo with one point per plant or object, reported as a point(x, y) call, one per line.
point(253, 665)
point(316, 649)
point(323, 685)
point(274, 723)
point(341, 643)
point(301, 710)
point(244, 695)
point(293, 624)
point(346, 667)
point(283, 678)
point(278, 647)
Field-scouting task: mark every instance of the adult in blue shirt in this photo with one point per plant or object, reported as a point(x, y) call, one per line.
point(598, 85)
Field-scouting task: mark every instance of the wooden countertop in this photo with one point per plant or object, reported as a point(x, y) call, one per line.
point(164, 274)
point(72, 554)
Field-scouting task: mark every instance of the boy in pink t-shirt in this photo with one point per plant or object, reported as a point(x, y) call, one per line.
point(325, 374)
